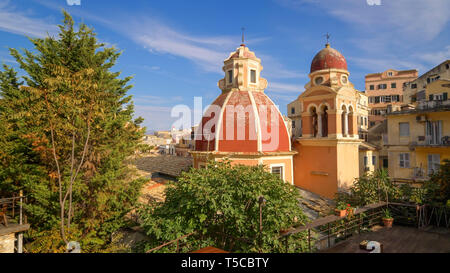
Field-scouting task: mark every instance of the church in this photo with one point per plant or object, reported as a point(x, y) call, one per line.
point(244, 125)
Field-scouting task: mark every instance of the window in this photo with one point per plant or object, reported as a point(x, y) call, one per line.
point(433, 132)
point(404, 160)
point(371, 87)
point(372, 123)
point(365, 161)
point(292, 110)
point(230, 76)
point(382, 86)
point(404, 129)
point(365, 121)
point(278, 170)
point(344, 79)
point(293, 124)
point(434, 162)
point(374, 158)
point(253, 76)
point(318, 80)
point(387, 98)
point(390, 74)
point(447, 66)
point(393, 85)
point(414, 85)
point(377, 99)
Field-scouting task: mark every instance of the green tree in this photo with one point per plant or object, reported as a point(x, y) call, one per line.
point(72, 122)
point(220, 204)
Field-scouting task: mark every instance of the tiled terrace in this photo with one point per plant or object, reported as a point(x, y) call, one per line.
point(398, 239)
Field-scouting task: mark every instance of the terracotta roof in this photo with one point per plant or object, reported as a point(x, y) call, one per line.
point(328, 58)
point(239, 132)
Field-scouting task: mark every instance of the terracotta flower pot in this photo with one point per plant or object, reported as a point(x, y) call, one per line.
point(340, 212)
point(387, 222)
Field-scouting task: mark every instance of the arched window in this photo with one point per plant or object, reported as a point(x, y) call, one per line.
point(350, 121)
point(324, 117)
point(344, 120)
point(314, 122)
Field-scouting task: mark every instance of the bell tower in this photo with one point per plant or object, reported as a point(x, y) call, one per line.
point(329, 127)
point(242, 72)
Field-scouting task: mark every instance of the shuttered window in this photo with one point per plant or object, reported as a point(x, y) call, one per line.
point(404, 129)
point(434, 161)
point(404, 160)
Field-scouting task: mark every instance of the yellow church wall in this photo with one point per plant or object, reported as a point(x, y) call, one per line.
point(287, 167)
point(348, 169)
point(315, 169)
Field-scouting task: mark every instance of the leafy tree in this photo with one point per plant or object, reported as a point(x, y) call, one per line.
point(220, 204)
point(71, 123)
point(438, 187)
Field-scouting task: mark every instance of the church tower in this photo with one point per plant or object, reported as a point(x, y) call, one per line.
point(329, 139)
point(243, 124)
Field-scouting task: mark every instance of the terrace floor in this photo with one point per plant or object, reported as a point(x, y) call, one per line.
point(398, 239)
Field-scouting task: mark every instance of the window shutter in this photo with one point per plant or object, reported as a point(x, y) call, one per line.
point(430, 97)
point(444, 96)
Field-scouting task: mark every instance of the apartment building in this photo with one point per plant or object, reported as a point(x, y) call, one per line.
point(415, 90)
point(385, 92)
point(419, 135)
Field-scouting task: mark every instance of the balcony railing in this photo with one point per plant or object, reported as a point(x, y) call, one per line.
point(327, 231)
point(13, 219)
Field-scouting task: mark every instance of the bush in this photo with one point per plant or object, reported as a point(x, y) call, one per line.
point(220, 203)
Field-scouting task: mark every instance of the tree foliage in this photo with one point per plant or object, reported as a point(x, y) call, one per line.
point(377, 186)
point(220, 204)
point(66, 132)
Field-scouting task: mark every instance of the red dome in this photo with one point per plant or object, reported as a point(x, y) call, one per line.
point(259, 128)
point(328, 58)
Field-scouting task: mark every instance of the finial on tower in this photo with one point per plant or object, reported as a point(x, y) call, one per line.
point(243, 29)
point(327, 45)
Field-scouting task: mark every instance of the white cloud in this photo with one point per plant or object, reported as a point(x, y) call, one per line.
point(16, 21)
point(435, 58)
point(208, 52)
point(406, 18)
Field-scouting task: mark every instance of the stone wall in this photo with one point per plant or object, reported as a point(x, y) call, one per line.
point(7, 243)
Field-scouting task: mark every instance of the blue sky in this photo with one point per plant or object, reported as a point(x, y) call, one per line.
point(175, 49)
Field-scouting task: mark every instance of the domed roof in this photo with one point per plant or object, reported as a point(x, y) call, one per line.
point(328, 58)
point(245, 122)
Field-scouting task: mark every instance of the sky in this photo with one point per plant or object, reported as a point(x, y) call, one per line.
point(175, 49)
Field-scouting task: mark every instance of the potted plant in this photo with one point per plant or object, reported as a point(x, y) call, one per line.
point(350, 211)
point(387, 218)
point(341, 209)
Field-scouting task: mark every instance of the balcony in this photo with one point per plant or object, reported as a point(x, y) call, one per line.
point(431, 141)
point(12, 221)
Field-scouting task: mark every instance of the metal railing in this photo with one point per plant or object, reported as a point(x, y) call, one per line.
point(333, 229)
